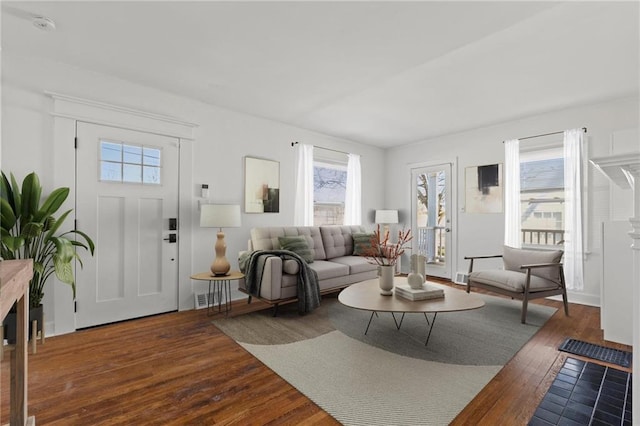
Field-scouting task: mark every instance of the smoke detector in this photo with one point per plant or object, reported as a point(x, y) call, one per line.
point(45, 24)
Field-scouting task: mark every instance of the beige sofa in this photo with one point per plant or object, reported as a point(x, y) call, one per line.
point(333, 260)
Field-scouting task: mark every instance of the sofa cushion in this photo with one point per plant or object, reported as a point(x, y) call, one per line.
point(337, 240)
point(267, 238)
point(361, 243)
point(511, 280)
point(298, 245)
point(513, 258)
point(326, 269)
point(356, 264)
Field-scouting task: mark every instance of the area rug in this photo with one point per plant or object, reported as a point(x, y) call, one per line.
point(387, 377)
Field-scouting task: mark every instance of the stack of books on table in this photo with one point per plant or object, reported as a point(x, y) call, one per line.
point(426, 292)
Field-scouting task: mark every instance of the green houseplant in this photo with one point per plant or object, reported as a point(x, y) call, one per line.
point(29, 230)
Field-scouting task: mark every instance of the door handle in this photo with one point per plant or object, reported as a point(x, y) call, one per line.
point(172, 238)
point(447, 229)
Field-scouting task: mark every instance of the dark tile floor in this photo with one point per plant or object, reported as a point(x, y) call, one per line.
point(584, 393)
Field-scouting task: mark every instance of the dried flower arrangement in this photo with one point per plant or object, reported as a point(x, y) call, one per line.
point(384, 253)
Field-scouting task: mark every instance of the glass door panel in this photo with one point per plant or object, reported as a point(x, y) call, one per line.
point(431, 223)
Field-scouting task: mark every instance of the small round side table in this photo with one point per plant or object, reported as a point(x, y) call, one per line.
point(218, 285)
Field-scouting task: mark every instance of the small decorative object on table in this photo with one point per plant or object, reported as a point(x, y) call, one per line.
point(424, 292)
point(386, 255)
point(416, 276)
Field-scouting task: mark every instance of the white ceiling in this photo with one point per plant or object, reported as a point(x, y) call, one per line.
point(380, 73)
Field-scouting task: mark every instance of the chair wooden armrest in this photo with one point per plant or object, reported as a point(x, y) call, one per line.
point(540, 265)
point(472, 258)
point(482, 257)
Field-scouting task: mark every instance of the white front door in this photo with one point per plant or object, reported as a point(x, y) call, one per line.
point(127, 201)
point(431, 217)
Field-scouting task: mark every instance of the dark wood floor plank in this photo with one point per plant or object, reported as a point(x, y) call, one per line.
point(177, 369)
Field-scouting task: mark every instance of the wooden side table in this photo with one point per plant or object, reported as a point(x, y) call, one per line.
point(14, 288)
point(218, 285)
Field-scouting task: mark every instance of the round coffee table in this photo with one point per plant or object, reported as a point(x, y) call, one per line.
point(366, 296)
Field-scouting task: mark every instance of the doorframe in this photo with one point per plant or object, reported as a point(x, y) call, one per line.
point(66, 111)
point(453, 201)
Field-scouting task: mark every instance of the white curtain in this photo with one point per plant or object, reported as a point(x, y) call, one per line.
point(303, 205)
point(512, 214)
point(573, 246)
point(353, 196)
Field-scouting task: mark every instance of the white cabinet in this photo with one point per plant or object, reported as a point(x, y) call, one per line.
point(616, 312)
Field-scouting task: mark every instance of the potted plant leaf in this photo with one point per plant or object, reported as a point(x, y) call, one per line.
point(29, 230)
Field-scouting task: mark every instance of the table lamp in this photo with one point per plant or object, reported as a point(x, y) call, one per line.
point(220, 216)
point(386, 217)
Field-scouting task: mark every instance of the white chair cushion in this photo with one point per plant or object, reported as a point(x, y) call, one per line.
point(511, 280)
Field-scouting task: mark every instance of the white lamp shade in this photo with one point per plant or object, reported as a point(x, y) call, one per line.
point(220, 216)
point(386, 216)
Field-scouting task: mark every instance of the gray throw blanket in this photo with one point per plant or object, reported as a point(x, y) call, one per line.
point(252, 266)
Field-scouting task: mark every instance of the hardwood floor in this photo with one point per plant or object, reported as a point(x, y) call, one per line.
point(178, 369)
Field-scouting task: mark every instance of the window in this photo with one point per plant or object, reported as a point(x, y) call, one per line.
point(329, 187)
point(542, 197)
point(120, 162)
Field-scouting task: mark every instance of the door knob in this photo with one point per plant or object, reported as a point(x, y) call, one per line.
point(447, 229)
point(172, 238)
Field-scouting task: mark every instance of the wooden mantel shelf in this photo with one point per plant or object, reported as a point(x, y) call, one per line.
point(14, 288)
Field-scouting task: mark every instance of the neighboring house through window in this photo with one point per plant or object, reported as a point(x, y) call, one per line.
point(542, 197)
point(550, 213)
point(329, 187)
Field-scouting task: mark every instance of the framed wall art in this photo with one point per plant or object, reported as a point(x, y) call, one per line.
point(261, 185)
point(483, 189)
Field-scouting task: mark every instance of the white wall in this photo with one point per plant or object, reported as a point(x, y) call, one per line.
point(484, 233)
point(222, 140)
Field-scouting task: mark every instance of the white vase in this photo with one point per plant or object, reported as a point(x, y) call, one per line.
point(415, 279)
point(421, 263)
point(386, 273)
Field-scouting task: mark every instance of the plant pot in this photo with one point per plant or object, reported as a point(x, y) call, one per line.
point(386, 279)
point(10, 323)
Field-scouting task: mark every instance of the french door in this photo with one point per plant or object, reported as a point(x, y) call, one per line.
point(431, 217)
point(127, 201)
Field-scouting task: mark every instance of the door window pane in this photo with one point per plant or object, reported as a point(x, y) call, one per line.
point(111, 151)
point(132, 154)
point(110, 171)
point(150, 174)
point(131, 173)
point(151, 156)
point(120, 162)
point(431, 215)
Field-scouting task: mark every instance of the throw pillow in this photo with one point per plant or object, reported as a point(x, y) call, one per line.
point(513, 258)
point(361, 243)
point(298, 245)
